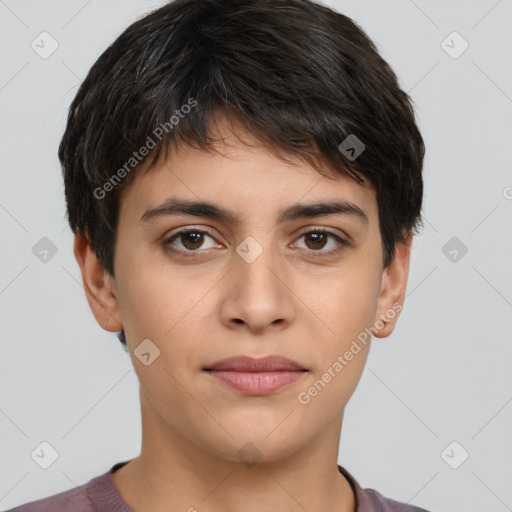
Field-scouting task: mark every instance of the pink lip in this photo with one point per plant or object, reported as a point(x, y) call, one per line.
point(256, 376)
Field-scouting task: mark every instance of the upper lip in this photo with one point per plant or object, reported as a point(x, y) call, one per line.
point(251, 364)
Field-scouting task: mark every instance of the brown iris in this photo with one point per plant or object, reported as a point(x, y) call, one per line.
point(192, 240)
point(319, 240)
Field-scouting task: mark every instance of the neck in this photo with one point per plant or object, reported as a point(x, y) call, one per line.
point(176, 473)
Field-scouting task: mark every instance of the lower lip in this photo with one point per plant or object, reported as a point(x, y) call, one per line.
point(256, 383)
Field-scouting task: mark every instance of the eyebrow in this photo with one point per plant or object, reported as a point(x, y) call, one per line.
point(173, 206)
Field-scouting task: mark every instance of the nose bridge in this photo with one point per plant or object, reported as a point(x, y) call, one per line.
point(258, 262)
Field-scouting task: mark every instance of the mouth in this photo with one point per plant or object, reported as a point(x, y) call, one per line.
point(256, 376)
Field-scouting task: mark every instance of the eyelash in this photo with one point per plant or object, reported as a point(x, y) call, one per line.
point(343, 244)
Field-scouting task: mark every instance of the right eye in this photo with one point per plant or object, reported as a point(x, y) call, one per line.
point(191, 240)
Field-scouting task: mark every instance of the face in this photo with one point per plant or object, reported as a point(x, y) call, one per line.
point(256, 282)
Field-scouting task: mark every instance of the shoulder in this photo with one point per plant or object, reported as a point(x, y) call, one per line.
point(72, 500)
point(369, 500)
point(372, 501)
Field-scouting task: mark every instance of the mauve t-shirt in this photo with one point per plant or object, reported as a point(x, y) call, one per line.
point(100, 495)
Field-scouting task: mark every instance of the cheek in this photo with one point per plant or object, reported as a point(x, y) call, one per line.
point(167, 305)
point(344, 307)
point(341, 345)
point(168, 310)
point(343, 303)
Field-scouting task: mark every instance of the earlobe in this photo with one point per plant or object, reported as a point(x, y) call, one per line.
point(98, 285)
point(392, 292)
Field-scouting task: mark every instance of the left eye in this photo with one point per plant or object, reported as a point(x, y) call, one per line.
point(318, 239)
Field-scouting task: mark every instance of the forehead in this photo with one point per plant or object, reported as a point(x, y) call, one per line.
point(243, 174)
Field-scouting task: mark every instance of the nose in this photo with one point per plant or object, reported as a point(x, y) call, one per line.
point(259, 292)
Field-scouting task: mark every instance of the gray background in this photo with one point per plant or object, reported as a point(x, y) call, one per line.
point(443, 376)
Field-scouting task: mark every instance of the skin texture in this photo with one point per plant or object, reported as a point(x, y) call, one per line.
point(197, 311)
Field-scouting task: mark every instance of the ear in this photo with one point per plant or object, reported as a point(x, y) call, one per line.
point(98, 285)
point(392, 290)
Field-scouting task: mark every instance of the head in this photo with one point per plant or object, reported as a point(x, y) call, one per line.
point(245, 105)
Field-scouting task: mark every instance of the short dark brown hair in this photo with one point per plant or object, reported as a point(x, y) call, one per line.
point(299, 75)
